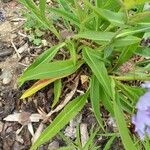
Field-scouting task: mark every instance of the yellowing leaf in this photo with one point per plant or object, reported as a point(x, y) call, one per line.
point(37, 86)
point(131, 3)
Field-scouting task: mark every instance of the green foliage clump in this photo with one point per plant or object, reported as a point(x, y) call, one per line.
point(106, 37)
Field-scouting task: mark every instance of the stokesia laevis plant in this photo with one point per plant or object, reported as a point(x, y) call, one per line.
point(142, 118)
point(105, 37)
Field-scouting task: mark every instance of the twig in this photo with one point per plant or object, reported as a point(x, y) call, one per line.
point(19, 56)
point(67, 99)
point(22, 34)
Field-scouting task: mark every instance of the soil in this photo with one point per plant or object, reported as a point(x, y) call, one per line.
point(15, 56)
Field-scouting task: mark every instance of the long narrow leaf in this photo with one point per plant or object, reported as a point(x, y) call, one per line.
point(126, 41)
point(42, 6)
point(37, 86)
point(125, 55)
point(47, 22)
point(112, 17)
point(69, 112)
point(56, 69)
point(133, 30)
point(57, 91)
point(99, 69)
point(123, 130)
point(97, 36)
point(109, 143)
point(45, 57)
point(66, 15)
point(95, 99)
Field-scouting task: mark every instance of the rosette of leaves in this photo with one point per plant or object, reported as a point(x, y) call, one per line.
point(106, 37)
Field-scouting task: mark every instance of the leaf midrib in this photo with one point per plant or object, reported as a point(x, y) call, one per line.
point(60, 120)
point(32, 76)
point(98, 73)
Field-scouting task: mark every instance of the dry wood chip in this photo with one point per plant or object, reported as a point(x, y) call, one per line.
point(30, 128)
point(23, 118)
point(1, 126)
point(23, 48)
point(84, 78)
point(37, 133)
point(84, 133)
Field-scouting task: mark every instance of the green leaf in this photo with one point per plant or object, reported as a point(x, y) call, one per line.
point(57, 91)
point(65, 5)
point(109, 143)
point(31, 6)
point(141, 18)
point(133, 30)
point(95, 35)
point(113, 17)
point(66, 139)
point(58, 69)
point(145, 52)
point(126, 41)
point(131, 3)
point(67, 148)
point(98, 68)
point(90, 142)
point(95, 99)
point(69, 112)
point(125, 55)
point(108, 51)
point(126, 104)
point(45, 57)
point(66, 15)
point(37, 41)
point(132, 92)
point(106, 100)
point(122, 127)
point(133, 76)
point(47, 22)
point(72, 49)
point(42, 6)
point(99, 3)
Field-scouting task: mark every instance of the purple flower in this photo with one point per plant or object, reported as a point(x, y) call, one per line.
point(142, 118)
point(146, 84)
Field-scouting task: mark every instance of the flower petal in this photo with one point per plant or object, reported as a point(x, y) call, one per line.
point(144, 102)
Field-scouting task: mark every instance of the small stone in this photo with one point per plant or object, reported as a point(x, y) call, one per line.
point(6, 81)
point(53, 145)
point(6, 76)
